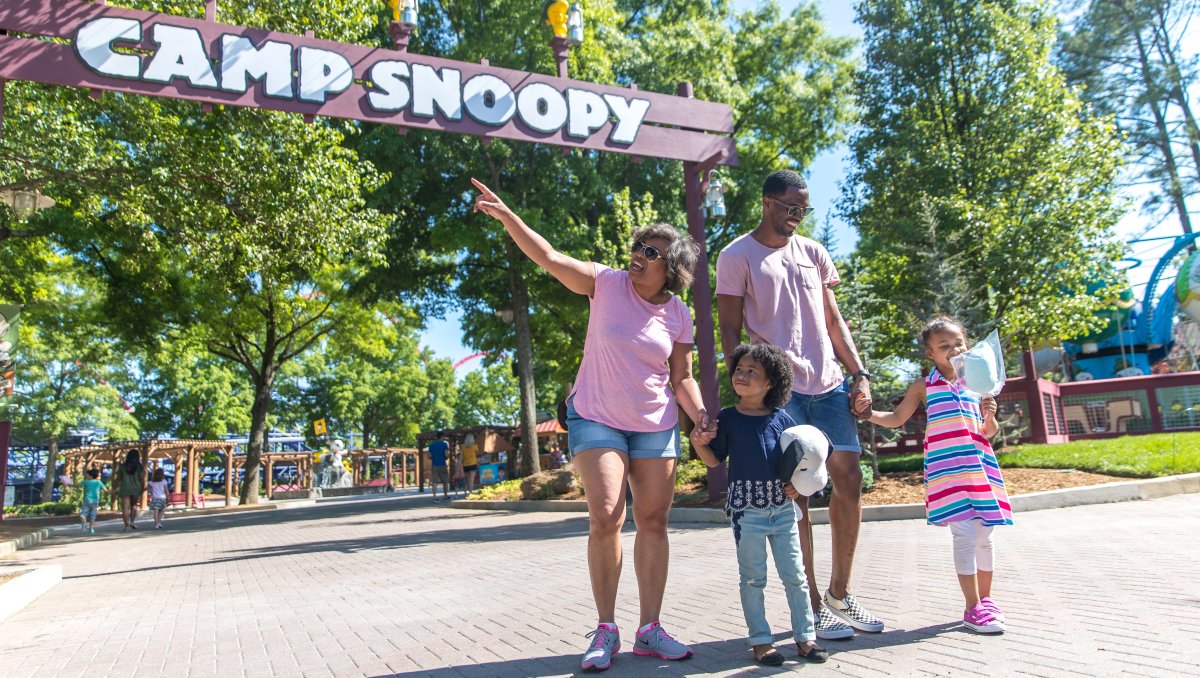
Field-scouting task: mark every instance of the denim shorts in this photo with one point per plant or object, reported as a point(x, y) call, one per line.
point(830, 412)
point(88, 510)
point(585, 434)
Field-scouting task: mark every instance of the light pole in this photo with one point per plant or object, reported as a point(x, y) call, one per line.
point(405, 14)
point(566, 20)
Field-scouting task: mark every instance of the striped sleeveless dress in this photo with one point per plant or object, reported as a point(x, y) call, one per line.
point(962, 477)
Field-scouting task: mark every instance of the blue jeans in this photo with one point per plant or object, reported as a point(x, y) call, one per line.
point(830, 412)
point(752, 529)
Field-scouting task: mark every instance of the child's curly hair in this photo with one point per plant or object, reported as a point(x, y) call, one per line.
point(777, 367)
point(939, 323)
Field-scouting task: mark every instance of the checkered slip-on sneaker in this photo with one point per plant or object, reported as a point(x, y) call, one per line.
point(605, 643)
point(848, 610)
point(830, 627)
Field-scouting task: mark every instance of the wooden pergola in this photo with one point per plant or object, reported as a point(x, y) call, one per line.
point(360, 460)
point(182, 453)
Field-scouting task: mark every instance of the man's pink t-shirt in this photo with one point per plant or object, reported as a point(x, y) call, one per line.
point(783, 303)
point(624, 380)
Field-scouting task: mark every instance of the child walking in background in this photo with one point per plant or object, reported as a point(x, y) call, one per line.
point(759, 504)
point(963, 485)
point(91, 501)
point(157, 487)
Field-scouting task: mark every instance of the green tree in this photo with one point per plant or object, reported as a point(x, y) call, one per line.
point(67, 372)
point(187, 392)
point(488, 396)
point(233, 226)
point(376, 382)
point(1130, 60)
point(982, 184)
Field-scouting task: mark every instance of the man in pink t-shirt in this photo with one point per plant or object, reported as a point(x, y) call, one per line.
point(779, 287)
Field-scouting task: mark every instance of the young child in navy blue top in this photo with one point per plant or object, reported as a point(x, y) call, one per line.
point(760, 505)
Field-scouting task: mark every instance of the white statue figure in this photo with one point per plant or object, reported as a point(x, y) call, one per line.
point(332, 472)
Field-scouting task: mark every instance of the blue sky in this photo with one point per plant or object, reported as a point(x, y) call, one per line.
point(445, 336)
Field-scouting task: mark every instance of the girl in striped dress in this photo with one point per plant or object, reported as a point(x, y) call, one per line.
point(963, 486)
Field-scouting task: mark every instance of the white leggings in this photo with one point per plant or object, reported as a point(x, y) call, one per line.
point(972, 546)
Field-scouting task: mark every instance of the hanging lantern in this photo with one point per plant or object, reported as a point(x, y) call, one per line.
point(25, 202)
point(410, 14)
point(714, 198)
point(575, 24)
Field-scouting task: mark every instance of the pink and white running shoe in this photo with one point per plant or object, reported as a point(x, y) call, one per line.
point(656, 642)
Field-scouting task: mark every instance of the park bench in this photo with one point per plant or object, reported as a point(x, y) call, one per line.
point(174, 498)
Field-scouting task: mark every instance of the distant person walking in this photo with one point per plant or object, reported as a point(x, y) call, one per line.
point(470, 460)
point(91, 501)
point(158, 497)
point(963, 485)
point(438, 452)
point(637, 363)
point(130, 487)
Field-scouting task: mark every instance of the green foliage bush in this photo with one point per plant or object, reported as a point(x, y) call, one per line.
point(508, 490)
point(690, 471)
point(50, 508)
point(868, 479)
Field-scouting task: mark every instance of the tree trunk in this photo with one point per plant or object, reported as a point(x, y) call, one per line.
point(530, 463)
point(258, 437)
point(51, 465)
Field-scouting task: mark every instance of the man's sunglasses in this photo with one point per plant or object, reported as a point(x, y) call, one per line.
point(794, 210)
point(650, 252)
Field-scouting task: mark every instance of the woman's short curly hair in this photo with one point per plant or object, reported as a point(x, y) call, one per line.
point(680, 256)
point(777, 367)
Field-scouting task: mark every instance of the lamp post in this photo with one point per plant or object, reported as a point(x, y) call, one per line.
point(405, 15)
point(566, 20)
point(24, 201)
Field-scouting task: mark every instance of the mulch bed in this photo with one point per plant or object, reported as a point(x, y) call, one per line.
point(909, 488)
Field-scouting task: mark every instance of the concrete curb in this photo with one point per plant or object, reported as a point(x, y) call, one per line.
point(19, 592)
point(1132, 490)
point(25, 541)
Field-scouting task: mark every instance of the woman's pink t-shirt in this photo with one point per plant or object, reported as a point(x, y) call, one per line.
point(624, 380)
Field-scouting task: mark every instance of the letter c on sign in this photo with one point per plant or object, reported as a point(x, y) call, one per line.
point(542, 108)
point(93, 42)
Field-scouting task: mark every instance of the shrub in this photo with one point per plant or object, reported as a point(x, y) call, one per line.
point(868, 480)
point(503, 491)
point(50, 508)
point(690, 471)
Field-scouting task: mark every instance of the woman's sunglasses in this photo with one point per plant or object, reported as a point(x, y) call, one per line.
point(651, 253)
point(795, 210)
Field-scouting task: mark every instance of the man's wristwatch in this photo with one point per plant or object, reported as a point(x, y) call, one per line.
point(861, 373)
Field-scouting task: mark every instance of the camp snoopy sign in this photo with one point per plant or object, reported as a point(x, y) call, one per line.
point(125, 50)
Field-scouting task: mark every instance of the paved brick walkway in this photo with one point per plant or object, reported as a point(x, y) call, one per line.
point(401, 587)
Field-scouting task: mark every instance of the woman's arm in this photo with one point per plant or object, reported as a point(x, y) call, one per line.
point(578, 276)
point(913, 397)
point(687, 391)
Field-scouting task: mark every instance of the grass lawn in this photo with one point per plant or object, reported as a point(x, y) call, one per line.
point(1160, 454)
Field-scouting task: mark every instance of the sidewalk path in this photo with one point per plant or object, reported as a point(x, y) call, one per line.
point(404, 587)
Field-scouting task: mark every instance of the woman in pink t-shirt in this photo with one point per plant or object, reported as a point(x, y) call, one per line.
point(622, 421)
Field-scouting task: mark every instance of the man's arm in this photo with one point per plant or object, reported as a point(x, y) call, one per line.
point(847, 353)
point(729, 317)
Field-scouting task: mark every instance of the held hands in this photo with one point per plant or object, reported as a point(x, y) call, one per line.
point(490, 204)
point(790, 492)
point(860, 398)
point(704, 431)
